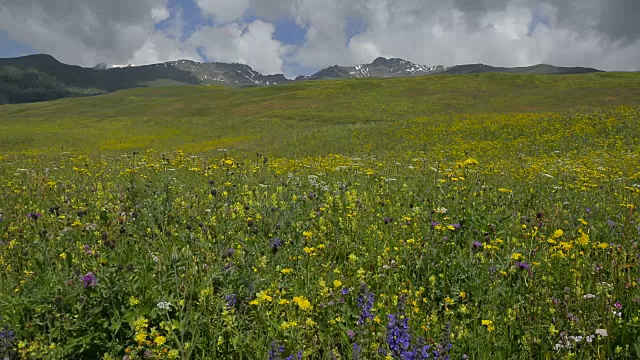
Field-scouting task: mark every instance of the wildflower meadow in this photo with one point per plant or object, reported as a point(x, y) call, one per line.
point(476, 235)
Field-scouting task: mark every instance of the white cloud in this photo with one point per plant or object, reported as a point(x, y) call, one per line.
point(160, 14)
point(223, 11)
point(250, 44)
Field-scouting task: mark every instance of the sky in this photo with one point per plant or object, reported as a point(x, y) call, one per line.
point(300, 37)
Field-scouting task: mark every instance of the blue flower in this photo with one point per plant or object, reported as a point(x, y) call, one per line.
point(275, 244)
point(231, 301)
point(365, 302)
point(398, 336)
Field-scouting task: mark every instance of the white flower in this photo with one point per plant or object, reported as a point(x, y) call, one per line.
point(589, 296)
point(590, 338)
point(602, 332)
point(164, 305)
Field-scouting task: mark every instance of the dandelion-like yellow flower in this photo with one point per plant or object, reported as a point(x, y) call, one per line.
point(286, 271)
point(141, 337)
point(516, 256)
point(302, 303)
point(583, 239)
point(558, 233)
point(160, 340)
point(337, 283)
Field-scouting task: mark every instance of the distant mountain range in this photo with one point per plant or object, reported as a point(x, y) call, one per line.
point(42, 77)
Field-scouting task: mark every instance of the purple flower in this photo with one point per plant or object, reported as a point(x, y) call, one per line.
point(275, 244)
point(387, 219)
point(618, 305)
point(356, 351)
point(276, 350)
point(351, 334)
point(365, 302)
point(34, 215)
point(89, 280)
point(231, 301)
point(398, 336)
point(434, 224)
point(6, 337)
point(344, 291)
point(523, 265)
point(477, 245)
point(456, 226)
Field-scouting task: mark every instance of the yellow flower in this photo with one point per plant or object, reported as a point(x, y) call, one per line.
point(286, 271)
point(583, 239)
point(63, 256)
point(307, 234)
point(264, 296)
point(133, 301)
point(287, 325)
point(516, 256)
point(463, 294)
point(489, 325)
point(448, 301)
point(310, 322)
point(337, 283)
point(140, 324)
point(141, 337)
point(302, 303)
point(283, 302)
point(160, 340)
point(558, 233)
point(603, 245)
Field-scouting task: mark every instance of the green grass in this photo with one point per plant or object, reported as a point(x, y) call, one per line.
point(494, 213)
point(280, 118)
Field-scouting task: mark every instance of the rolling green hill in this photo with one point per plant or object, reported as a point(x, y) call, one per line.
point(297, 118)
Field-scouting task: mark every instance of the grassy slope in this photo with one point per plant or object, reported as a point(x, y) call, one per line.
point(295, 119)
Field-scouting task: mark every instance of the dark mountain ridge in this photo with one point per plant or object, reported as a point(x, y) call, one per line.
point(18, 80)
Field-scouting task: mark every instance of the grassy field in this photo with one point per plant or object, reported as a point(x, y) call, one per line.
point(464, 217)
